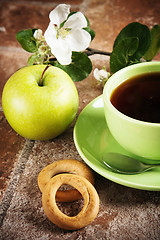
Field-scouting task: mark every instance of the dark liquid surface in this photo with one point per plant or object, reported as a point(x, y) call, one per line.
point(139, 97)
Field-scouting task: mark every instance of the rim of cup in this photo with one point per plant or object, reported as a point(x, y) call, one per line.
point(109, 88)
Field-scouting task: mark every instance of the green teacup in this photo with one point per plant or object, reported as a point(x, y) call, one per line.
point(140, 138)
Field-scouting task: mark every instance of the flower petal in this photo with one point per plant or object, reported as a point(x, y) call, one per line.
point(59, 14)
point(59, 46)
point(78, 39)
point(50, 35)
point(96, 73)
point(62, 52)
point(76, 20)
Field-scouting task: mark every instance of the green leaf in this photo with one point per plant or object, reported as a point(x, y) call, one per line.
point(122, 53)
point(140, 31)
point(80, 67)
point(26, 39)
point(155, 43)
point(32, 59)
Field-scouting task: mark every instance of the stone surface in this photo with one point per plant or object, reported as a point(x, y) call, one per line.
point(10, 147)
point(125, 213)
point(108, 18)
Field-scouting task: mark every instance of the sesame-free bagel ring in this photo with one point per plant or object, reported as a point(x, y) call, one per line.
point(65, 166)
point(90, 207)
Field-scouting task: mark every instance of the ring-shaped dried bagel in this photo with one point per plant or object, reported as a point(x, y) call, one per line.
point(65, 166)
point(85, 216)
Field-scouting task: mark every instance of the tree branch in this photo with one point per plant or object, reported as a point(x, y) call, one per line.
point(91, 51)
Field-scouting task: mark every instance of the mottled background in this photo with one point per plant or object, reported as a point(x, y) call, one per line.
point(125, 213)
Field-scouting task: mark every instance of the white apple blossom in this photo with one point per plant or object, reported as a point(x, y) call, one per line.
point(67, 38)
point(101, 75)
point(38, 34)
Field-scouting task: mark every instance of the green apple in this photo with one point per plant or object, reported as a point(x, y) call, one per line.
point(40, 112)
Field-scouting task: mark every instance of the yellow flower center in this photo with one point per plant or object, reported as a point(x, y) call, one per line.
point(62, 32)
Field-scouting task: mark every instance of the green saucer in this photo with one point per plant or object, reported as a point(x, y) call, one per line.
point(92, 139)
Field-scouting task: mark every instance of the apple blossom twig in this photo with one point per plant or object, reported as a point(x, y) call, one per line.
point(91, 51)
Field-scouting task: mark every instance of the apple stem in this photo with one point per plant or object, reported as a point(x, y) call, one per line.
point(41, 79)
